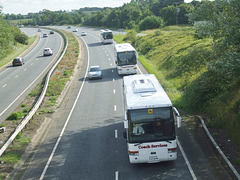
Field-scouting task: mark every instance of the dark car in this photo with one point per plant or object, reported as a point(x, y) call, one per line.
point(51, 32)
point(18, 61)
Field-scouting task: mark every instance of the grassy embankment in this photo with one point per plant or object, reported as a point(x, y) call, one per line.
point(57, 83)
point(180, 61)
point(19, 49)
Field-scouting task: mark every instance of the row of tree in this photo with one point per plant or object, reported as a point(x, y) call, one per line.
point(128, 16)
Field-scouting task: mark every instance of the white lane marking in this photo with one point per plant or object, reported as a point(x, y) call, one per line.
point(116, 175)
point(109, 59)
point(65, 125)
point(110, 64)
point(116, 134)
point(186, 160)
point(25, 69)
point(25, 89)
point(4, 85)
point(113, 79)
point(16, 76)
point(140, 70)
point(4, 71)
point(114, 91)
point(115, 108)
point(31, 64)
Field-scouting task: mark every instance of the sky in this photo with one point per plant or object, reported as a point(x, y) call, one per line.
point(28, 6)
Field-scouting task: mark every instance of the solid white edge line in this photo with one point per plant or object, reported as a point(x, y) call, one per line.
point(65, 125)
point(183, 153)
point(186, 160)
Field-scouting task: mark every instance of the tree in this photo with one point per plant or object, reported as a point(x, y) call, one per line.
point(169, 15)
point(224, 17)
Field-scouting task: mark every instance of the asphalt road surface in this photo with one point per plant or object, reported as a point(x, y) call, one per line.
point(16, 82)
point(84, 140)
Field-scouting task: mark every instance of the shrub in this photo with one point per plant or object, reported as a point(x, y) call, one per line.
point(21, 38)
point(151, 22)
point(2, 125)
point(19, 135)
point(15, 116)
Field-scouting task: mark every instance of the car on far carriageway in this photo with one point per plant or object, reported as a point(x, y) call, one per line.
point(83, 33)
point(47, 52)
point(75, 30)
point(95, 72)
point(18, 61)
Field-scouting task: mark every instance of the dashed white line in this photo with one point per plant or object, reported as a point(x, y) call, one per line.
point(110, 64)
point(116, 175)
point(4, 85)
point(25, 69)
point(16, 76)
point(115, 108)
point(114, 91)
point(116, 134)
point(113, 79)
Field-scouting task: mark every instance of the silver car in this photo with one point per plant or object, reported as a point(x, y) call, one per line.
point(95, 72)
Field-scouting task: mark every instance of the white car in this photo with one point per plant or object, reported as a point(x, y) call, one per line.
point(45, 35)
point(47, 52)
point(95, 72)
point(75, 30)
point(83, 33)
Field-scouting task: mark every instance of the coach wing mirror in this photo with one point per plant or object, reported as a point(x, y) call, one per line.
point(125, 121)
point(179, 119)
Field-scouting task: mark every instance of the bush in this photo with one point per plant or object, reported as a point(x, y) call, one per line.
point(15, 116)
point(131, 36)
point(2, 125)
point(221, 76)
point(146, 46)
point(203, 29)
point(19, 135)
point(21, 38)
point(151, 22)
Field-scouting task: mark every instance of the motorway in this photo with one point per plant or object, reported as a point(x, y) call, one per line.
point(16, 82)
point(84, 140)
